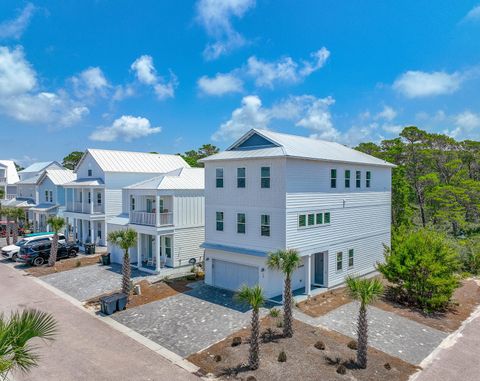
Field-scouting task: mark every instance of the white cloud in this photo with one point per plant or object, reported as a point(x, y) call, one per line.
point(123, 91)
point(146, 74)
point(319, 57)
point(414, 84)
point(90, 82)
point(216, 18)
point(388, 113)
point(126, 127)
point(15, 28)
point(467, 126)
point(220, 84)
point(473, 14)
point(22, 100)
point(318, 119)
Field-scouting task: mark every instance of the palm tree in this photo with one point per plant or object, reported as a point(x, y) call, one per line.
point(365, 291)
point(254, 297)
point(56, 224)
point(7, 212)
point(286, 261)
point(124, 239)
point(17, 214)
point(15, 334)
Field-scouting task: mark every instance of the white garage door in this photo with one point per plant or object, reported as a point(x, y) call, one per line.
point(231, 276)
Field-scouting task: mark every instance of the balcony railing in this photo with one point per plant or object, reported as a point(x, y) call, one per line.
point(150, 219)
point(84, 207)
point(3, 179)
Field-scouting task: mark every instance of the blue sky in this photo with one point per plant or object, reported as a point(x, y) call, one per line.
point(169, 76)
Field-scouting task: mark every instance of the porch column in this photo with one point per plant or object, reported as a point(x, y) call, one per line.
point(157, 252)
point(157, 210)
point(139, 248)
point(308, 276)
point(91, 200)
point(73, 200)
point(92, 231)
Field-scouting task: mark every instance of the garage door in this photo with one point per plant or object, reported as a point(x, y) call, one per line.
point(231, 276)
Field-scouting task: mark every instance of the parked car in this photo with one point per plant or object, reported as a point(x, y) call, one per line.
point(11, 251)
point(37, 254)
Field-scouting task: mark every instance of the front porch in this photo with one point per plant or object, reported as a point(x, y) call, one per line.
point(86, 230)
point(154, 252)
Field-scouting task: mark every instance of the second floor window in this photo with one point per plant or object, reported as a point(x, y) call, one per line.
point(368, 178)
point(51, 196)
point(358, 179)
point(89, 197)
point(241, 180)
point(241, 222)
point(161, 206)
point(132, 203)
point(89, 173)
point(265, 177)
point(347, 178)
point(99, 198)
point(46, 195)
point(265, 225)
point(219, 177)
point(219, 217)
point(333, 178)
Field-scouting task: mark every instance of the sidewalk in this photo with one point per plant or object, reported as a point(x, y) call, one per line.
point(85, 348)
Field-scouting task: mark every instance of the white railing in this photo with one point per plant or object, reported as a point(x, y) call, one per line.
point(150, 219)
point(81, 207)
point(11, 196)
point(3, 179)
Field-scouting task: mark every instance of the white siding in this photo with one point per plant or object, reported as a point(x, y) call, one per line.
point(188, 209)
point(115, 251)
point(186, 245)
point(89, 163)
point(113, 202)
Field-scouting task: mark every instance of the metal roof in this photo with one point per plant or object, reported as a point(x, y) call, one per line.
point(58, 176)
point(136, 162)
point(44, 207)
point(18, 202)
point(30, 181)
point(122, 220)
point(183, 178)
point(12, 174)
point(85, 183)
point(40, 166)
point(296, 147)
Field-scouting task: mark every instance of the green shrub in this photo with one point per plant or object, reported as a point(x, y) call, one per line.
point(470, 255)
point(282, 356)
point(274, 312)
point(421, 265)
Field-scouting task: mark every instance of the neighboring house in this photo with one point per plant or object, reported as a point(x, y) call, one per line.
point(271, 191)
point(96, 194)
point(37, 168)
point(51, 196)
point(8, 179)
point(167, 212)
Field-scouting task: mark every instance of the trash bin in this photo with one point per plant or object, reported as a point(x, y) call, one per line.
point(89, 248)
point(109, 304)
point(105, 259)
point(121, 301)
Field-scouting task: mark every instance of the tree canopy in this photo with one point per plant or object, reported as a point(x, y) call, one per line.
point(72, 159)
point(192, 157)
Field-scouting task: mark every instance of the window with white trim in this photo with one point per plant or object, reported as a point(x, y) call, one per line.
point(302, 220)
point(168, 247)
point(350, 258)
point(333, 178)
point(51, 196)
point(241, 178)
point(265, 177)
point(90, 173)
point(265, 225)
point(358, 179)
point(219, 220)
point(368, 178)
point(219, 177)
point(347, 178)
point(326, 217)
point(99, 198)
point(339, 261)
point(311, 219)
point(241, 223)
point(46, 196)
point(132, 203)
point(89, 197)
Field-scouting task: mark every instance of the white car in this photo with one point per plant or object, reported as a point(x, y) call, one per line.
point(11, 251)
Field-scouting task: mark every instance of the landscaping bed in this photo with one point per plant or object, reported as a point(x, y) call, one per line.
point(303, 360)
point(64, 265)
point(325, 302)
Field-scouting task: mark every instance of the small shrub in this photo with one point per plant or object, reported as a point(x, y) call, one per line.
point(353, 345)
point(236, 341)
point(342, 369)
point(282, 356)
point(320, 345)
point(78, 263)
point(387, 366)
point(280, 324)
point(333, 361)
point(274, 312)
point(217, 358)
point(192, 277)
point(269, 335)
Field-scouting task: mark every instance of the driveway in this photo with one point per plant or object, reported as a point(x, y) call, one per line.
point(388, 332)
point(87, 282)
point(189, 322)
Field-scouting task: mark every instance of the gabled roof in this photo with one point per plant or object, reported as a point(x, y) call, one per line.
point(30, 180)
point(12, 174)
point(183, 178)
point(37, 167)
point(136, 162)
point(294, 146)
point(58, 176)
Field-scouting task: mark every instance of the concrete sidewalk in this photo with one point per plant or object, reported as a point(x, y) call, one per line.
point(85, 348)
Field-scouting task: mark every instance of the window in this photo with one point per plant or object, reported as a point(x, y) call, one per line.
point(89, 173)
point(46, 195)
point(368, 177)
point(347, 178)
point(51, 196)
point(89, 197)
point(302, 220)
point(339, 261)
point(168, 247)
point(241, 222)
point(219, 177)
point(265, 177)
point(220, 221)
point(333, 178)
point(80, 196)
point(99, 198)
point(311, 219)
point(358, 179)
point(350, 258)
point(319, 218)
point(161, 206)
point(326, 217)
point(241, 181)
point(132, 203)
point(265, 225)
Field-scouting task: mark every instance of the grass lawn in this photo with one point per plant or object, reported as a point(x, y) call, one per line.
point(304, 361)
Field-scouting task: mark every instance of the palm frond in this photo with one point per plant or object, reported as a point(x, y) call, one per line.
point(56, 223)
point(364, 290)
point(286, 261)
point(253, 296)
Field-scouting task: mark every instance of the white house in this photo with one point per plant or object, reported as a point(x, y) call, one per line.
point(271, 191)
point(36, 168)
point(8, 179)
point(167, 212)
point(96, 194)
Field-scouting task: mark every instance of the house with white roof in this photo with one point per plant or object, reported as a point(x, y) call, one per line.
point(37, 168)
point(167, 212)
point(271, 191)
point(96, 194)
point(8, 179)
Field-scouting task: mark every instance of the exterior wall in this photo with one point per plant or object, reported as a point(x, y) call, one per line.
point(188, 209)
point(89, 163)
point(115, 251)
point(47, 185)
point(27, 191)
point(186, 245)
point(251, 200)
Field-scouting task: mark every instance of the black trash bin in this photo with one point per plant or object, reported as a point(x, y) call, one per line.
point(109, 304)
point(89, 248)
point(105, 259)
point(121, 301)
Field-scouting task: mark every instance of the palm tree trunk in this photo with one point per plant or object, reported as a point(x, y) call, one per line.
point(15, 232)
point(253, 357)
point(53, 251)
point(362, 331)
point(7, 232)
point(126, 274)
point(287, 308)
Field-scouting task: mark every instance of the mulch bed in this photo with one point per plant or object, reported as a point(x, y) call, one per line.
point(325, 302)
point(304, 361)
point(465, 299)
point(64, 265)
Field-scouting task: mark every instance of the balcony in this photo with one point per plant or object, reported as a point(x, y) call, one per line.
point(150, 219)
point(3, 179)
point(83, 207)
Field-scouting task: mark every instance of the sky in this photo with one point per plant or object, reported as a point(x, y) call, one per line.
point(170, 76)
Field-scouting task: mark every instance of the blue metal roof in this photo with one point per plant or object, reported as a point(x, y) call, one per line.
point(233, 249)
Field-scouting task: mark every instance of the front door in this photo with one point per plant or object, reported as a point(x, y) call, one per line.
point(319, 269)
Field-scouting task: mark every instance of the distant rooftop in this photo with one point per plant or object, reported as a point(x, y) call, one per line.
point(184, 178)
point(40, 166)
point(12, 174)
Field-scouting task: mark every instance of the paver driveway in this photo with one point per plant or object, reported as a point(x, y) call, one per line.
point(187, 323)
point(87, 282)
point(388, 332)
